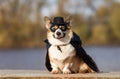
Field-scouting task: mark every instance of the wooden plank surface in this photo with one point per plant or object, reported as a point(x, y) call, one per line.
point(37, 74)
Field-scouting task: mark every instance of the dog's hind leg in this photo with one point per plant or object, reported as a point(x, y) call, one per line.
point(85, 69)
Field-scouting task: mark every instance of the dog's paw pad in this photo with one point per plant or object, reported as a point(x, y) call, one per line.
point(67, 71)
point(55, 71)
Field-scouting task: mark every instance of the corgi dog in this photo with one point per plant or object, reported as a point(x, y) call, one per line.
point(65, 53)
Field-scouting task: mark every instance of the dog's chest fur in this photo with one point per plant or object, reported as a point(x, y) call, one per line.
point(66, 52)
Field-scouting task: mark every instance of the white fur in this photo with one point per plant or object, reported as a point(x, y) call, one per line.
point(67, 51)
point(62, 60)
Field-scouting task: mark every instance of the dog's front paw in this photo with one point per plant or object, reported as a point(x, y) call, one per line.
point(66, 71)
point(56, 71)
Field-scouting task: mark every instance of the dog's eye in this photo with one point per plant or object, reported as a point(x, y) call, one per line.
point(63, 28)
point(53, 29)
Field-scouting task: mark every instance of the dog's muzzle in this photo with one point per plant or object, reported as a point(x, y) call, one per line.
point(59, 34)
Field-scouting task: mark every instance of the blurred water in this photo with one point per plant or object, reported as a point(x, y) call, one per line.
point(107, 58)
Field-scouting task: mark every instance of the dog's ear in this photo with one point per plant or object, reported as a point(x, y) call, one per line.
point(47, 22)
point(68, 20)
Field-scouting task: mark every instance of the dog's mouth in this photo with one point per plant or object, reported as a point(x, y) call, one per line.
point(59, 37)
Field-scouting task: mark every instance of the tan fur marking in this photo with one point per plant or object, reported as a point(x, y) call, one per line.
point(48, 31)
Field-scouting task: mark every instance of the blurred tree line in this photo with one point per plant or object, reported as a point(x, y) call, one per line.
point(17, 30)
point(21, 23)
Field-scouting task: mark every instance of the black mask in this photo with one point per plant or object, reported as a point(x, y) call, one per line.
point(62, 27)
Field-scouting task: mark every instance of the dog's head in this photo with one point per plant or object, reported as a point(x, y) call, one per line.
point(59, 30)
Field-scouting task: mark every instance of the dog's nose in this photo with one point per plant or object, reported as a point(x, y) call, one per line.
point(58, 33)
